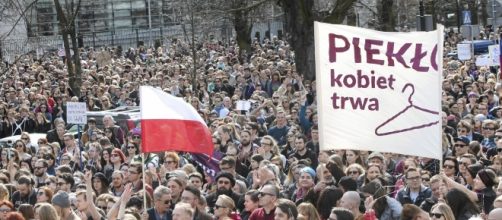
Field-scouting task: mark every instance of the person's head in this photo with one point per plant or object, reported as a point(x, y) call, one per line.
point(44, 194)
point(47, 212)
point(485, 178)
point(413, 212)
point(100, 182)
point(373, 172)
point(377, 159)
point(191, 196)
point(307, 177)
point(328, 199)
point(461, 145)
point(227, 164)
point(196, 179)
point(183, 211)
point(350, 200)
point(24, 185)
point(117, 156)
point(40, 167)
point(436, 183)
point(286, 210)
point(251, 200)
point(117, 179)
point(460, 202)
point(171, 161)
point(495, 214)
point(176, 185)
point(27, 211)
point(65, 182)
point(134, 172)
point(223, 206)
point(338, 213)
point(413, 179)
point(82, 203)
point(450, 166)
point(300, 142)
point(441, 211)
point(162, 199)
point(5, 207)
point(354, 171)
point(268, 195)
point(308, 210)
point(108, 121)
point(225, 181)
point(61, 201)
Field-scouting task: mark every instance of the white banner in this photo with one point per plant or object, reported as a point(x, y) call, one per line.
point(76, 113)
point(494, 52)
point(379, 91)
point(464, 51)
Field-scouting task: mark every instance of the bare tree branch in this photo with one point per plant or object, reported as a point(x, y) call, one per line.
point(19, 19)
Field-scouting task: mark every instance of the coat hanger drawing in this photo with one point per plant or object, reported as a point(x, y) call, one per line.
point(411, 105)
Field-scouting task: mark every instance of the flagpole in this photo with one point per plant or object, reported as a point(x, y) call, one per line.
point(144, 183)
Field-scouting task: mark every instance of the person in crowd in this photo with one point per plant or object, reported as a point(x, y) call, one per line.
point(414, 192)
point(286, 210)
point(441, 211)
point(268, 195)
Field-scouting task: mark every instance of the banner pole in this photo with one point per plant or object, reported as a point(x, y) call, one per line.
point(144, 184)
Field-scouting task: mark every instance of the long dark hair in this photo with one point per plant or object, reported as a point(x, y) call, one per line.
point(460, 203)
point(327, 200)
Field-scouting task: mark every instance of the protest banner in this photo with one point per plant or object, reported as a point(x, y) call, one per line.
point(379, 91)
point(76, 113)
point(464, 51)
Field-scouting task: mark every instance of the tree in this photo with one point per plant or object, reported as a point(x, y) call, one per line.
point(299, 17)
point(68, 32)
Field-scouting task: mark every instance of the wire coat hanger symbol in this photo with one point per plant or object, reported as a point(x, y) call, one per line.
point(410, 106)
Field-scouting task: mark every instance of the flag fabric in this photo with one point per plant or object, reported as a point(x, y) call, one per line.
point(210, 165)
point(500, 58)
point(168, 123)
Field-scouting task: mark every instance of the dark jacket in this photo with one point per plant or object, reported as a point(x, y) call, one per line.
point(153, 216)
point(403, 196)
point(198, 215)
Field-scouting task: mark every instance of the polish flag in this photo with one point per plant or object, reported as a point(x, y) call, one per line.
point(168, 123)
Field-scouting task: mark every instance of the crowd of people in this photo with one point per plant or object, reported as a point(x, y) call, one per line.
point(272, 166)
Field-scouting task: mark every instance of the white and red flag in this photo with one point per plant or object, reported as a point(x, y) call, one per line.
point(168, 123)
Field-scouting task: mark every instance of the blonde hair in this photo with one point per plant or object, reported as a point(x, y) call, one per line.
point(4, 192)
point(227, 202)
point(47, 212)
point(445, 210)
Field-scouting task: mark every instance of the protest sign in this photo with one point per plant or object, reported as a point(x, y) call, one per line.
point(464, 51)
point(76, 113)
point(379, 91)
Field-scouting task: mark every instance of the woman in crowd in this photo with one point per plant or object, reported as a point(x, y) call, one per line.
point(306, 183)
point(308, 210)
point(384, 206)
point(44, 194)
point(413, 212)
point(441, 211)
point(131, 152)
point(100, 184)
point(328, 199)
point(22, 150)
point(250, 203)
point(351, 157)
point(5, 208)
point(223, 208)
point(286, 210)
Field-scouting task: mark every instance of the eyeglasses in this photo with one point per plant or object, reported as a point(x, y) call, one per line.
point(352, 172)
point(5, 210)
point(460, 145)
point(219, 206)
point(465, 164)
point(499, 150)
point(414, 178)
point(19, 145)
point(131, 147)
point(489, 128)
point(448, 166)
point(426, 179)
point(436, 215)
point(462, 130)
point(25, 138)
point(261, 194)
point(103, 207)
point(136, 137)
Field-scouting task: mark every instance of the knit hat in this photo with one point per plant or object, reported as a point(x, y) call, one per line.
point(376, 155)
point(488, 177)
point(228, 176)
point(308, 170)
point(61, 199)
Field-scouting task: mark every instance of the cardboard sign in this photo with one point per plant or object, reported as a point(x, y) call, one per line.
point(76, 113)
